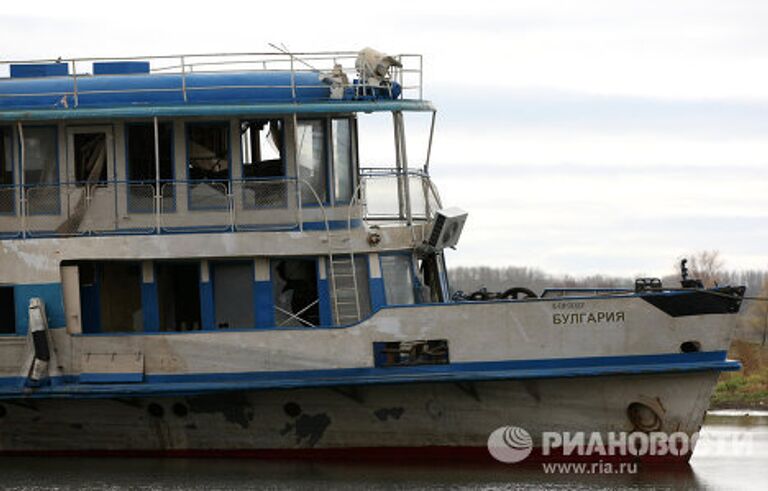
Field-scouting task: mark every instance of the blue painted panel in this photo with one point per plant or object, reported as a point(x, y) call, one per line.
point(59, 113)
point(207, 306)
point(110, 378)
point(90, 306)
point(120, 67)
point(51, 295)
point(264, 304)
point(39, 70)
point(189, 384)
point(378, 295)
point(324, 296)
point(150, 307)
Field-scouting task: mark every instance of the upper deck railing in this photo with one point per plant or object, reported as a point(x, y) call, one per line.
point(115, 207)
point(293, 75)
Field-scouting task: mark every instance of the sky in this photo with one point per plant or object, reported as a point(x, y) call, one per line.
point(582, 137)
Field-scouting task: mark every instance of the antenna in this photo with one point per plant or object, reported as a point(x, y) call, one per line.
point(284, 49)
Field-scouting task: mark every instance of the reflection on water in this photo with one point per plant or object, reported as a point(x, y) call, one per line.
point(732, 454)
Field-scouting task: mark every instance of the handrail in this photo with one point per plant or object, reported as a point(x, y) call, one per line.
point(243, 204)
point(184, 64)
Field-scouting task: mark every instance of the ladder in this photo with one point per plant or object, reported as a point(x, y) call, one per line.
point(341, 270)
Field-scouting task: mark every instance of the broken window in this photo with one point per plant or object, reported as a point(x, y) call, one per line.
point(262, 144)
point(343, 181)
point(41, 170)
point(178, 290)
point(7, 310)
point(208, 165)
point(90, 157)
point(312, 161)
point(262, 150)
point(7, 193)
point(398, 279)
point(233, 295)
point(140, 142)
point(294, 289)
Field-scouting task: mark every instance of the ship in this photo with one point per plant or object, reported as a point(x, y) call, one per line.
point(194, 261)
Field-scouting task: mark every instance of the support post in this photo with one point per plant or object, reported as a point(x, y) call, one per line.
point(158, 194)
point(22, 181)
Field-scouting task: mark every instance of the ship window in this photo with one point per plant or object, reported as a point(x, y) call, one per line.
point(342, 160)
point(7, 194)
point(141, 165)
point(7, 310)
point(209, 166)
point(208, 151)
point(312, 161)
point(294, 287)
point(262, 144)
point(90, 157)
point(178, 288)
point(398, 279)
point(233, 295)
point(41, 173)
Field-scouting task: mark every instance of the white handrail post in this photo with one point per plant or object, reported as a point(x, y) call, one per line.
point(297, 167)
point(158, 194)
point(183, 79)
point(293, 79)
point(429, 144)
point(74, 84)
point(22, 181)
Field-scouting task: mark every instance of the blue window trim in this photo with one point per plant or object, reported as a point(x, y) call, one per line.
point(130, 181)
point(414, 278)
point(57, 182)
point(228, 137)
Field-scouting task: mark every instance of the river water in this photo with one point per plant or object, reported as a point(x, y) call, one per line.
point(732, 454)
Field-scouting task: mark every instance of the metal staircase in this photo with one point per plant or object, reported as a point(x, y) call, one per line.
point(341, 270)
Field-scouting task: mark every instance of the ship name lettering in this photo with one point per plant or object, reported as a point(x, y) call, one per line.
point(601, 317)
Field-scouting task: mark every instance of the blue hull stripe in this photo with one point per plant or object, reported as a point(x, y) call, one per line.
point(201, 383)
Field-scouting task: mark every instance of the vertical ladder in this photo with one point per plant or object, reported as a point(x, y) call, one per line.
point(344, 289)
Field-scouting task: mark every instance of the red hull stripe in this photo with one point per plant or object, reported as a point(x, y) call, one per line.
point(396, 455)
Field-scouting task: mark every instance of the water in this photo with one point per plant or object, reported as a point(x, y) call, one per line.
point(732, 454)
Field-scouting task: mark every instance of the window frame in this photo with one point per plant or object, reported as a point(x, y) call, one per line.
point(189, 181)
point(57, 157)
point(411, 270)
point(129, 181)
point(283, 150)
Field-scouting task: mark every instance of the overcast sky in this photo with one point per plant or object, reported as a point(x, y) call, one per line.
point(582, 136)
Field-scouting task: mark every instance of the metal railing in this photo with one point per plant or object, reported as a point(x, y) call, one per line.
point(381, 192)
point(410, 76)
point(149, 207)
